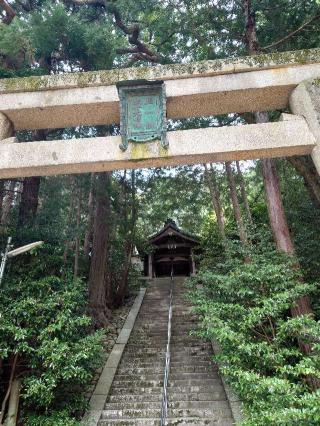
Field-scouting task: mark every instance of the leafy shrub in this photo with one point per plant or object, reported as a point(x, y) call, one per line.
point(246, 308)
point(58, 418)
point(44, 322)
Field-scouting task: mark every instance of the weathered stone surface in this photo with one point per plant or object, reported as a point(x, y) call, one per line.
point(6, 128)
point(305, 101)
point(289, 137)
point(199, 89)
point(105, 381)
point(103, 386)
point(161, 72)
point(124, 336)
point(92, 418)
point(195, 391)
point(316, 158)
point(8, 140)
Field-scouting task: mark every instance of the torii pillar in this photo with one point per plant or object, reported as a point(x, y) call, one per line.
point(305, 101)
point(6, 128)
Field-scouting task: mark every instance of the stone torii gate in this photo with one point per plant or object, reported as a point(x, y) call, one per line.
point(207, 88)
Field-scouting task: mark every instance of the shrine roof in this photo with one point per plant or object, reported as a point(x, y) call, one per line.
point(171, 226)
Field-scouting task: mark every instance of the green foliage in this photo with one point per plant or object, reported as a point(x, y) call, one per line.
point(52, 38)
point(13, 39)
point(58, 418)
point(303, 218)
point(70, 36)
point(44, 322)
point(246, 308)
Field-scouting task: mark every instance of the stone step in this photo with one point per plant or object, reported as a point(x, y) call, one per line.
point(131, 413)
point(174, 376)
point(199, 362)
point(137, 383)
point(188, 359)
point(142, 365)
point(130, 422)
point(217, 412)
point(144, 351)
point(192, 356)
point(213, 404)
point(216, 395)
point(159, 369)
point(176, 341)
point(152, 397)
point(195, 392)
point(133, 390)
point(191, 348)
point(140, 377)
point(177, 348)
point(192, 421)
point(128, 390)
point(170, 422)
point(136, 377)
point(194, 382)
point(175, 363)
point(144, 356)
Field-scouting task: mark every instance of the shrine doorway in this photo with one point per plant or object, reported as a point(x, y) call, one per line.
point(173, 252)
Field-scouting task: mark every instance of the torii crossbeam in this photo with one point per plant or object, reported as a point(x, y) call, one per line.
point(207, 88)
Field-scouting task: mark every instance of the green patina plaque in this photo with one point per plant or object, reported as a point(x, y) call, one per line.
point(142, 112)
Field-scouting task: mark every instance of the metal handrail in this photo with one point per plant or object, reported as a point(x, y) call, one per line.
point(164, 406)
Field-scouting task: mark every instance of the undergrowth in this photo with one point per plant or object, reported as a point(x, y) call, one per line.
point(245, 307)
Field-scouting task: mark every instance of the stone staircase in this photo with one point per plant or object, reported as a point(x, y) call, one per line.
point(195, 392)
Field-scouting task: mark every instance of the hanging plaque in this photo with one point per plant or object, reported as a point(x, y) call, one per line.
point(142, 112)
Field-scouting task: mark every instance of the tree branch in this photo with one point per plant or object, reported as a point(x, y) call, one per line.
point(133, 32)
point(293, 33)
point(10, 13)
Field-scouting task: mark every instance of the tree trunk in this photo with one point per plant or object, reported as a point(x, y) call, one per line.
point(282, 237)
point(30, 193)
point(9, 389)
point(279, 225)
point(89, 232)
point(236, 205)
point(215, 198)
point(29, 202)
point(244, 193)
point(68, 243)
point(77, 238)
point(1, 195)
point(129, 242)
point(123, 286)
point(98, 290)
point(7, 203)
point(306, 168)
point(13, 408)
point(276, 212)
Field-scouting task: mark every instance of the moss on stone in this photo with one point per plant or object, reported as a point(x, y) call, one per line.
point(144, 151)
point(316, 82)
point(166, 72)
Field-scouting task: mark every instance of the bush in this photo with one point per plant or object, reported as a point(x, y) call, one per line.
point(246, 308)
point(57, 418)
point(44, 322)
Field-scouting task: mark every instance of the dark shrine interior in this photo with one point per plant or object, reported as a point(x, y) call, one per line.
point(172, 252)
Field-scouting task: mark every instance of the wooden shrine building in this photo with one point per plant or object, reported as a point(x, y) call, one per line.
point(173, 251)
